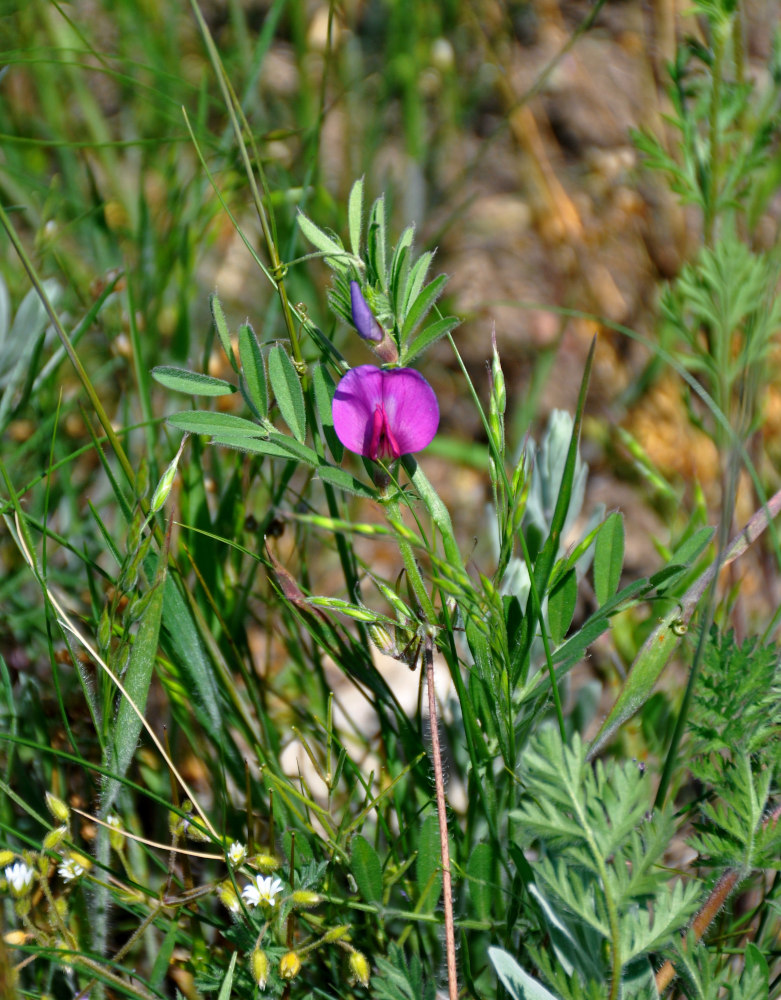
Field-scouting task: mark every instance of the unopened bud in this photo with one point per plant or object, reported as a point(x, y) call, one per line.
point(55, 837)
point(367, 326)
point(160, 495)
point(499, 391)
point(359, 968)
point(289, 965)
point(6, 857)
point(260, 967)
point(336, 933)
point(381, 638)
point(265, 863)
point(304, 899)
point(57, 808)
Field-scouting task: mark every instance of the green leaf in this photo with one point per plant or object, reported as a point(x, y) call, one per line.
point(519, 984)
point(206, 422)
point(428, 867)
point(399, 270)
point(163, 956)
point(479, 871)
point(366, 869)
point(287, 390)
point(128, 724)
point(227, 983)
point(324, 389)
point(355, 216)
point(692, 547)
point(608, 557)
point(561, 606)
point(543, 564)
point(221, 326)
point(194, 383)
point(275, 446)
point(330, 246)
point(377, 242)
point(183, 644)
point(343, 480)
point(424, 301)
point(253, 370)
point(648, 665)
point(417, 277)
point(429, 335)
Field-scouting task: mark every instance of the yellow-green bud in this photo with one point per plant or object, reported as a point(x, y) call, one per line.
point(55, 837)
point(6, 857)
point(304, 899)
point(289, 965)
point(359, 968)
point(336, 933)
point(265, 863)
point(57, 808)
point(166, 481)
point(260, 967)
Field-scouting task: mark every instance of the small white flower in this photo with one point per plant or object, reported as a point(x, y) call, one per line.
point(261, 890)
point(20, 877)
point(236, 853)
point(70, 870)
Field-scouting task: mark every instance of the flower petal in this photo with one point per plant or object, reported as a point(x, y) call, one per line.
point(411, 408)
point(408, 401)
point(355, 400)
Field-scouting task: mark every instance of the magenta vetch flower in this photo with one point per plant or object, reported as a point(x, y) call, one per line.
point(384, 414)
point(363, 318)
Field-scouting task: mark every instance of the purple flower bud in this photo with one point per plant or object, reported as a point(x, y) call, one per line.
point(363, 318)
point(384, 414)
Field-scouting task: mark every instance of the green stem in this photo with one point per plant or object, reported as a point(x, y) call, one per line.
point(719, 37)
point(537, 608)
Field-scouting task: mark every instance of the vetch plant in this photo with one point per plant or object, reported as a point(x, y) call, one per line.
point(212, 640)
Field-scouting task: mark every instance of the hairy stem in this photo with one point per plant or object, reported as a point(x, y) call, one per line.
point(439, 784)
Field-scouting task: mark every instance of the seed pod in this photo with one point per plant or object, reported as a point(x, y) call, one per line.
point(259, 964)
point(289, 965)
point(57, 808)
point(359, 968)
